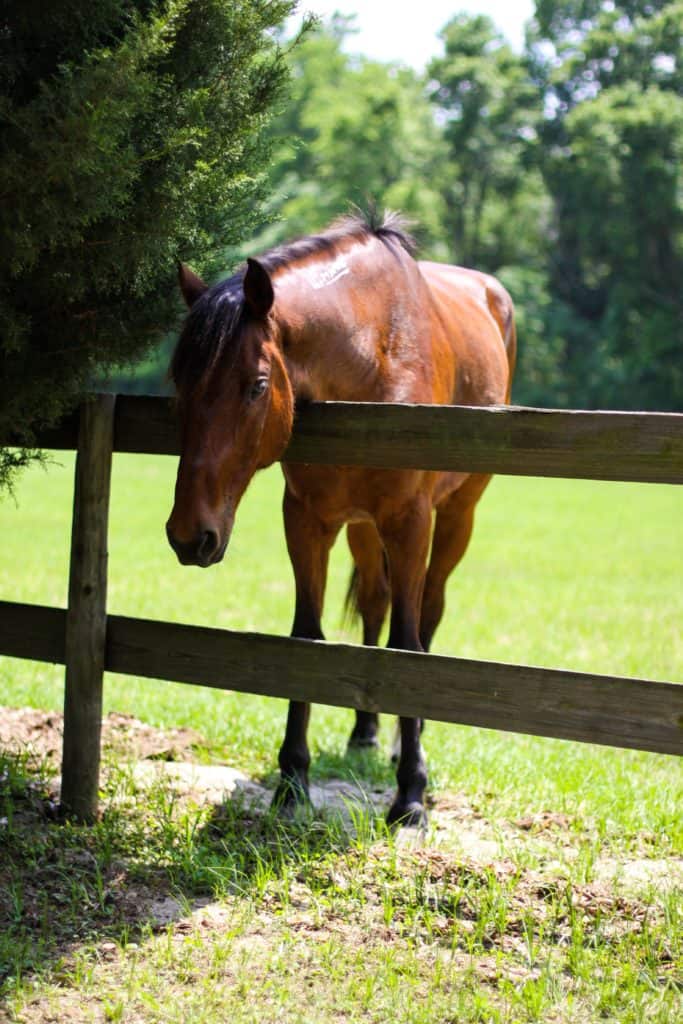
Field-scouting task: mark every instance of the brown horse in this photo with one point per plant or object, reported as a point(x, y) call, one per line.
point(347, 315)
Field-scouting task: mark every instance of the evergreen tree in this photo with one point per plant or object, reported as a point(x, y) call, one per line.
point(132, 134)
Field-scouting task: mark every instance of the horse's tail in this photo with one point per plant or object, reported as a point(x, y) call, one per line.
point(374, 602)
point(351, 612)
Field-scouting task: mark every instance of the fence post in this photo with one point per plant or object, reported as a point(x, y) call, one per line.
point(86, 620)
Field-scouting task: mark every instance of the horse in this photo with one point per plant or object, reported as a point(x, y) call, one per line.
point(345, 315)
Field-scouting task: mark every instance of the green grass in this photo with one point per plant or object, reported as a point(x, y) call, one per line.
point(309, 921)
point(560, 573)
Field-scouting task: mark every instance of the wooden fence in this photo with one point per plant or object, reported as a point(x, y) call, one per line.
point(546, 702)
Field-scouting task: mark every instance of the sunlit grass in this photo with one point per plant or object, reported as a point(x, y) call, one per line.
point(313, 921)
point(309, 920)
point(560, 573)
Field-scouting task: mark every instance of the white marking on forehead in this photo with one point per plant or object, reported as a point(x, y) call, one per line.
point(330, 274)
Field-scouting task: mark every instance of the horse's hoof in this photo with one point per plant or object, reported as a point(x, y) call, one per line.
point(289, 796)
point(410, 815)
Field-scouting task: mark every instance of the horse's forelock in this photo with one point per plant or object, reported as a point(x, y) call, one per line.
point(211, 327)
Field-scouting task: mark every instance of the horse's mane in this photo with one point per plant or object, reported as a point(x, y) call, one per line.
point(391, 227)
point(216, 318)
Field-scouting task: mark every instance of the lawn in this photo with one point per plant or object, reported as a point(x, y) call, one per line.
point(569, 574)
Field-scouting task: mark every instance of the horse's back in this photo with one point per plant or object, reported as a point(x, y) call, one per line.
point(473, 318)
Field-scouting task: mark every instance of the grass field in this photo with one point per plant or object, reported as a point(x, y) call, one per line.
point(560, 573)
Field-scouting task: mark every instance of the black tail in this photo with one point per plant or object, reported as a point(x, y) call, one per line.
point(351, 612)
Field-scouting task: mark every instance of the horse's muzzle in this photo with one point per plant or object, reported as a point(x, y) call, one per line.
point(206, 549)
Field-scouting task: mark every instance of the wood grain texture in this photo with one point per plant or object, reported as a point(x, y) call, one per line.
point(645, 447)
point(86, 619)
point(610, 710)
point(544, 702)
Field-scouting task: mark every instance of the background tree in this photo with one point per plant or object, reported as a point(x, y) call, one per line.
point(610, 151)
point(353, 130)
point(497, 209)
point(131, 134)
point(489, 109)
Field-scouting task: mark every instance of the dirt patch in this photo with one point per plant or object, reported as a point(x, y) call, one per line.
point(40, 733)
point(544, 822)
point(167, 757)
point(664, 874)
point(478, 901)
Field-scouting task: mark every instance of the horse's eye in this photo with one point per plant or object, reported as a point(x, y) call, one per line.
point(259, 387)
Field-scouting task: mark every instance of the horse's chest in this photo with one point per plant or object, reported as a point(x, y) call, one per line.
point(333, 494)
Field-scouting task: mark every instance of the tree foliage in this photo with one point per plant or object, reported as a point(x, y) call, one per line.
point(353, 130)
point(610, 152)
point(489, 108)
point(132, 133)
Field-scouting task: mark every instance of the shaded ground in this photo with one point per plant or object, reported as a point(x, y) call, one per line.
point(187, 901)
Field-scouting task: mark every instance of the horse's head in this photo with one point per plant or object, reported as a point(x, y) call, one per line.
point(235, 403)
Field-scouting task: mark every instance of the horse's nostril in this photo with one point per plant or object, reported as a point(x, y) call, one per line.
point(199, 551)
point(207, 545)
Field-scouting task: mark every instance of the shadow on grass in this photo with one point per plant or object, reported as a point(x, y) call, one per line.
point(150, 860)
point(367, 769)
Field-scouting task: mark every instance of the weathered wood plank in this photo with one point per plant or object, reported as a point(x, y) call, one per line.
point(146, 424)
point(645, 447)
point(568, 705)
point(32, 631)
point(546, 702)
point(86, 619)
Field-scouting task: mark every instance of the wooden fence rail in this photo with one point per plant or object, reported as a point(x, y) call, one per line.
point(635, 713)
point(635, 446)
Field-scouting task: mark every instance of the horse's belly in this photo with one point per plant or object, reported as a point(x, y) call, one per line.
point(350, 494)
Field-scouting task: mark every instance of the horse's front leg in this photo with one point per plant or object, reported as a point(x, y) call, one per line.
point(308, 542)
point(406, 538)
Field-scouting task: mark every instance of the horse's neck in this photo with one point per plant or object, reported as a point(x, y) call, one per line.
point(337, 324)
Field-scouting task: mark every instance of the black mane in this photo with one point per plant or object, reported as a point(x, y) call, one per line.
point(215, 319)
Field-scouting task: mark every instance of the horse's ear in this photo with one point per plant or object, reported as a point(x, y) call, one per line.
point(191, 284)
point(258, 289)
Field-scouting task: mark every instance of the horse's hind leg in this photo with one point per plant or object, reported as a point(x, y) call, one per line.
point(308, 543)
point(452, 532)
point(369, 593)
